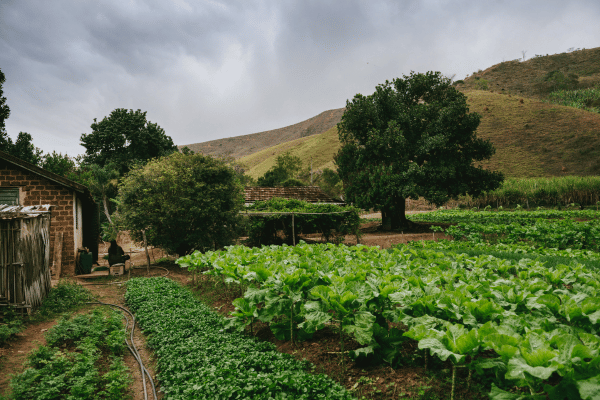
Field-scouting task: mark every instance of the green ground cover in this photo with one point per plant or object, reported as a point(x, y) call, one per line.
point(81, 360)
point(198, 359)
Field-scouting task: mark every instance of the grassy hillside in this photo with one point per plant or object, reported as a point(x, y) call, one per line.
point(318, 148)
point(240, 146)
point(539, 76)
point(532, 138)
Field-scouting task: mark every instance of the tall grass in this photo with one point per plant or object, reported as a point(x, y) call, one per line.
point(555, 191)
point(581, 98)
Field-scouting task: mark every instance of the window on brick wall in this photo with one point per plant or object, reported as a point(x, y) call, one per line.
point(9, 196)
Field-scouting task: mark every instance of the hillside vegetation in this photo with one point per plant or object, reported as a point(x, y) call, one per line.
point(240, 146)
point(540, 75)
point(532, 136)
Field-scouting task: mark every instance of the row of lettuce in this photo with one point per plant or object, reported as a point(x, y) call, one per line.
point(198, 359)
point(537, 321)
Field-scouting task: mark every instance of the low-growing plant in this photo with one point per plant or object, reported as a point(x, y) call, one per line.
point(73, 363)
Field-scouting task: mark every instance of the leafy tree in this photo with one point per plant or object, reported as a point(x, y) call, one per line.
point(182, 202)
point(102, 182)
point(22, 148)
point(286, 166)
point(4, 111)
point(58, 163)
point(412, 137)
point(329, 181)
point(124, 138)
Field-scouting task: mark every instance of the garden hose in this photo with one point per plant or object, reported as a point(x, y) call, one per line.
point(133, 349)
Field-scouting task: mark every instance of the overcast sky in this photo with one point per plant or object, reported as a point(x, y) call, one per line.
point(206, 70)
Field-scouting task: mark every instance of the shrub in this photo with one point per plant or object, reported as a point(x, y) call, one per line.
point(183, 202)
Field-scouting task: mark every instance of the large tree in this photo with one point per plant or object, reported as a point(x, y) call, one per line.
point(125, 138)
point(4, 110)
point(413, 137)
point(182, 202)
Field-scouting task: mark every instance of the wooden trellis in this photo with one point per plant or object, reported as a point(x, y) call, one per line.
point(24, 255)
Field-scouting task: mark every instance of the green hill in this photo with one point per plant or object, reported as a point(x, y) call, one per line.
point(532, 138)
point(540, 75)
point(240, 146)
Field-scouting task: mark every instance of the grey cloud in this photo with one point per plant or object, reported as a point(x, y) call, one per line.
point(209, 69)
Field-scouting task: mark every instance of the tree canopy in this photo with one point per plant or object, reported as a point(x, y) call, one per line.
point(183, 202)
point(22, 148)
point(4, 110)
point(286, 167)
point(125, 138)
point(414, 136)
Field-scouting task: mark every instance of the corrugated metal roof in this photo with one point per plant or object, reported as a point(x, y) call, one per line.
point(12, 212)
point(312, 194)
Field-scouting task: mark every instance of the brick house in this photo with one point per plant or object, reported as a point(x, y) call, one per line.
point(74, 212)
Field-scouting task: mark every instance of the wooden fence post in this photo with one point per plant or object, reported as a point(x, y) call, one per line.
point(58, 245)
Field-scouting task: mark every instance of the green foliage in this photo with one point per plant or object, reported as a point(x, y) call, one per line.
point(482, 84)
point(585, 99)
point(4, 112)
point(266, 229)
point(540, 228)
point(182, 202)
point(552, 191)
point(125, 138)
point(287, 167)
point(329, 181)
point(10, 324)
point(58, 163)
point(22, 148)
point(515, 322)
point(413, 137)
point(73, 363)
point(198, 359)
point(292, 182)
point(63, 297)
point(558, 80)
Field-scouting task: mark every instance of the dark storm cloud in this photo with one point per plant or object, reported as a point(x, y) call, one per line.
point(210, 69)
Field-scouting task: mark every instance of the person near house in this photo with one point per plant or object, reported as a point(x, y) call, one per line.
point(116, 255)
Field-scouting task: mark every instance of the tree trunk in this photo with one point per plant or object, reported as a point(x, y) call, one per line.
point(105, 203)
point(394, 218)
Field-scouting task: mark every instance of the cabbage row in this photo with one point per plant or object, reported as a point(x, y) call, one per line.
point(560, 234)
point(197, 359)
point(539, 323)
point(502, 217)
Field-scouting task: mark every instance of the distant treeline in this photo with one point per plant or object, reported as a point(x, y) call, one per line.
point(545, 192)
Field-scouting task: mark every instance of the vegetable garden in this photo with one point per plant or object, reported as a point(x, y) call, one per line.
point(528, 328)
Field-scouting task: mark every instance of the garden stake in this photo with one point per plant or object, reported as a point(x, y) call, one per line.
point(453, 381)
point(292, 323)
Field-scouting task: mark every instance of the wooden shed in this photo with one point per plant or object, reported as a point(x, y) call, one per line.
point(24, 255)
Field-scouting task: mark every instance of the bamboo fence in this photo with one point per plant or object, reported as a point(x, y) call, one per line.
point(24, 255)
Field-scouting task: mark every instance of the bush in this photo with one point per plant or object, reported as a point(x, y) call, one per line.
point(183, 202)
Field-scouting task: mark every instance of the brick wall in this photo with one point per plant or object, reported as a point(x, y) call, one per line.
point(36, 190)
